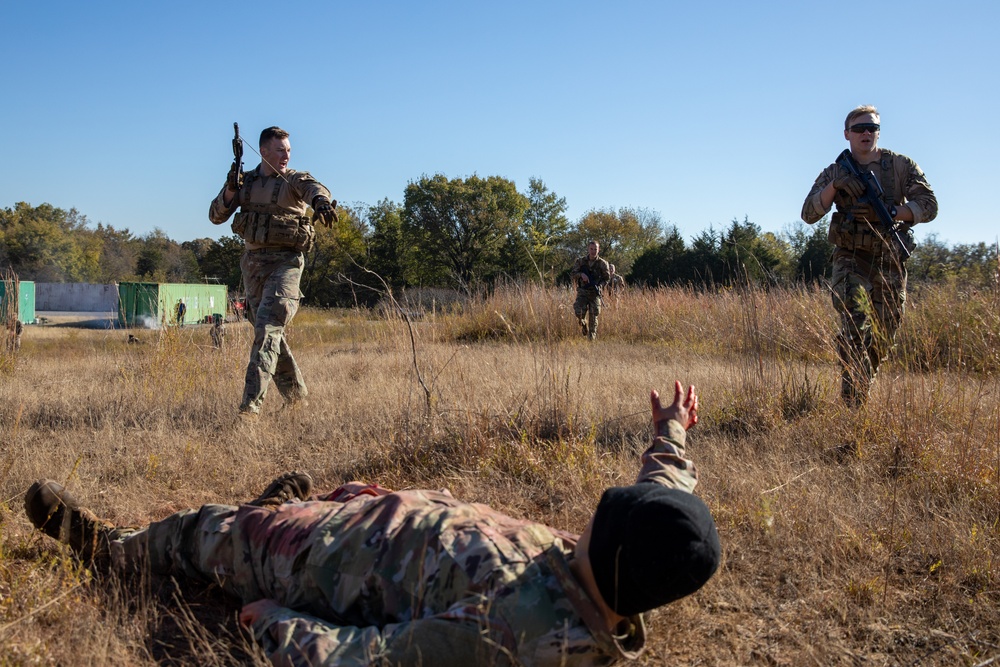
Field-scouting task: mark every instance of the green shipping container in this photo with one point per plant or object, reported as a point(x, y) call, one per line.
point(25, 304)
point(152, 305)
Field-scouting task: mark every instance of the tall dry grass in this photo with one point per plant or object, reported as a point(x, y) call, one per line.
point(851, 537)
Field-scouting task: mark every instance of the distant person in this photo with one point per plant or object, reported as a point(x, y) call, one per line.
point(273, 202)
point(869, 272)
point(15, 331)
point(181, 312)
point(590, 273)
point(365, 576)
point(616, 284)
point(218, 331)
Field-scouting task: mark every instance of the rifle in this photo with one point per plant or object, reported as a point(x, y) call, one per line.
point(591, 283)
point(237, 169)
point(873, 197)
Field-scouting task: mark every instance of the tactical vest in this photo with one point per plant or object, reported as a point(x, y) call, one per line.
point(268, 224)
point(862, 236)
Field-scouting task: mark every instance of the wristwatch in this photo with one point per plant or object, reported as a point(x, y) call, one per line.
point(893, 211)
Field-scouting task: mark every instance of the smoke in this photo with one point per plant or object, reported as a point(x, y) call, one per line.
point(147, 322)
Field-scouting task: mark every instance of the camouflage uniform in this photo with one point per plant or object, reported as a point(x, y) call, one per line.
point(617, 284)
point(364, 576)
point(17, 329)
point(588, 296)
point(869, 277)
point(272, 270)
point(218, 333)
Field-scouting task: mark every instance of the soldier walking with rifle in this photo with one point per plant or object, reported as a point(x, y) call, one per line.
point(273, 202)
point(590, 273)
point(880, 196)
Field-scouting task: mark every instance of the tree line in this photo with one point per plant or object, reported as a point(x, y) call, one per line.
point(463, 233)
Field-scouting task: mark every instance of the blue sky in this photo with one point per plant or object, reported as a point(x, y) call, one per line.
point(700, 111)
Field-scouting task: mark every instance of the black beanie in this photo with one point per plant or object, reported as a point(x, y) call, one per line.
point(651, 545)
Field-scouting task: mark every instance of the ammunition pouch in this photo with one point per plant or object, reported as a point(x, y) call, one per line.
point(275, 231)
point(860, 236)
point(854, 235)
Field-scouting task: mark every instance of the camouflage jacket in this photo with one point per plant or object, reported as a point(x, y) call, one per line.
point(598, 272)
point(295, 193)
point(417, 577)
point(909, 188)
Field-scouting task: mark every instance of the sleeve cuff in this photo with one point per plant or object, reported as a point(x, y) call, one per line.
point(671, 430)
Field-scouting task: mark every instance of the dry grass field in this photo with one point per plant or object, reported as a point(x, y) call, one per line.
point(866, 537)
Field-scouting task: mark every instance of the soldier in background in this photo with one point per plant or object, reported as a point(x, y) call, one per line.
point(364, 576)
point(273, 201)
point(181, 311)
point(590, 273)
point(15, 330)
point(869, 272)
point(616, 284)
point(218, 331)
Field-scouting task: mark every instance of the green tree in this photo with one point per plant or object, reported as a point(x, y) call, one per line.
point(974, 264)
point(623, 234)
point(664, 264)
point(331, 269)
point(748, 255)
point(163, 260)
point(460, 226)
point(198, 247)
point(704, 259)
point(812, 251)
point(119, 253)
point(542, 233)
point(48, 244)
point(222, 261)
point(389, 254)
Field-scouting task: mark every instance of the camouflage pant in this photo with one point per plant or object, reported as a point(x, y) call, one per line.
point(271, 279)
point(869, 294)
point(242, 549)
point(588, 306)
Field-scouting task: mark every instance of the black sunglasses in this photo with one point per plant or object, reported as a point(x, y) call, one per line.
point(860, 128)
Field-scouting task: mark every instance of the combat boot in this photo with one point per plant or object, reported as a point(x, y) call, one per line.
point(247, 416)
point(287, 487)
point(295, 403)
point(53, 510)
point(583, 326)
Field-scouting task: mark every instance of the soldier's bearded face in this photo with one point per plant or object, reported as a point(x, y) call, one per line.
point(865, 142)
point(275, 154)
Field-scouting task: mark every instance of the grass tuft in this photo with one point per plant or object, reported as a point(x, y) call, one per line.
point(850, 535)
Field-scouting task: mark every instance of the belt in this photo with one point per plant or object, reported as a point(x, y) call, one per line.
point(258, 251)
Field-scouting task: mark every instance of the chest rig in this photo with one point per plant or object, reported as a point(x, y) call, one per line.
point(267, 225)
point(859, 235)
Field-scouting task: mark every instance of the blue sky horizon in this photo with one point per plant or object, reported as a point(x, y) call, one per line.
point(701, 113)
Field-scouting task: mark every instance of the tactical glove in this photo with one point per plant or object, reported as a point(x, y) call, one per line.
point(864, 212)
point(850, 184)
point(234, 180)
point(325, 211)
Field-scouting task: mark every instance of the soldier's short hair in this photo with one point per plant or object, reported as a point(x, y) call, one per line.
point(273, 132)
point(595, 242)
point(859, 111)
